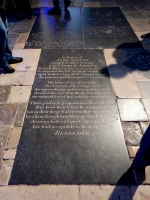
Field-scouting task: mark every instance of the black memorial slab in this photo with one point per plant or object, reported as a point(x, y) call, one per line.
point(72, 132)
point(140, 62)
point(107, 28)
point(58, 31)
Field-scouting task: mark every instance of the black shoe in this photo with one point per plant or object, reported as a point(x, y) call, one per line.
point(15, 60)
point(8, 70)
point(146, 36)
point(54, 11)
point(67, 4)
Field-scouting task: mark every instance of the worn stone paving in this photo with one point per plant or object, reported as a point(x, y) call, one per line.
point(131, 90)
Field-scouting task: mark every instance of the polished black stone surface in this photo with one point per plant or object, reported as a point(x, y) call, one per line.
point(82, 28)
point(72, 132)
point(57, 31)
point(107, 28)
point(140, 62)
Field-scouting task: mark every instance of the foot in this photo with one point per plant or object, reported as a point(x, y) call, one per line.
point(8, 70)
point(54, 11)
point(15, 60)
point(67, 4)
point(146, 36)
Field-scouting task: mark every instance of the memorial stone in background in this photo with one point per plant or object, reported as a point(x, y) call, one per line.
point(72, 132)
point(59, 31)
point(107, 28)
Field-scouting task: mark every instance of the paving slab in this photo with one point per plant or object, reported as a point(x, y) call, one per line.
point(131, 3)
point(14, 138)
point(19, 46)
point(131, 110)
point(139, 34)
point(23, 37)
point(19, 119)
point(78, 4)
point(140, 192)
point(144, 126)
point(147, 175)
point(16, 78)
point(147, 106)
point(20, 94)
point(42, 192)
point(140, 77)
point(5, 93)
point(111, 61)
point(30, 59)
point(136, 24)
point(29, 78)
point(5, 172)
point(9, 154)
point(4, 135)
point(123, 82)
point(114, 53)
point(132, 150)
point(107, 4)
point(7, 114)
point(91, 4)
point(104, 192)
point(132, 133)
point(128, 9)
point(134, 15)
point(144, 88)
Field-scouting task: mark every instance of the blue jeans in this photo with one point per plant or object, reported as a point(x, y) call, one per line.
point(5, 52)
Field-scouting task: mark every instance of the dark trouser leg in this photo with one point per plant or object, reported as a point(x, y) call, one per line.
point(56, 3)
point(142, 158)
point(5, 53)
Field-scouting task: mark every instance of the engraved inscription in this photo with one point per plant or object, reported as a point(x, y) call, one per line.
point(72, 99)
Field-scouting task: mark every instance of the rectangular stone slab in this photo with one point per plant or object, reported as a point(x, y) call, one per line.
point(59, 31)
point(107, 28)
point(72, 132)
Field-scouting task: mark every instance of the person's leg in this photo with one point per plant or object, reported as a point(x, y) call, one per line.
point(8, 53)
point(67, 3)
point(6, 57)
point(142, 158)
point(55, 9)
point(24, 9)
point(3, 43)
point(3, 56)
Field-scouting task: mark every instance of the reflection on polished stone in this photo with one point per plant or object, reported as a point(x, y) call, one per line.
point(57, 31)
point(102, 28)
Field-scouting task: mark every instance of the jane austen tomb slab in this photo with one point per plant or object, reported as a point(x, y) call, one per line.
point(72, 132)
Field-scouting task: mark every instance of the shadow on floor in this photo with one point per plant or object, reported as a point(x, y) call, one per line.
point(137, 60)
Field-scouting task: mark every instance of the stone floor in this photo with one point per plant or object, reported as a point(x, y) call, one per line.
point(132, 94)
